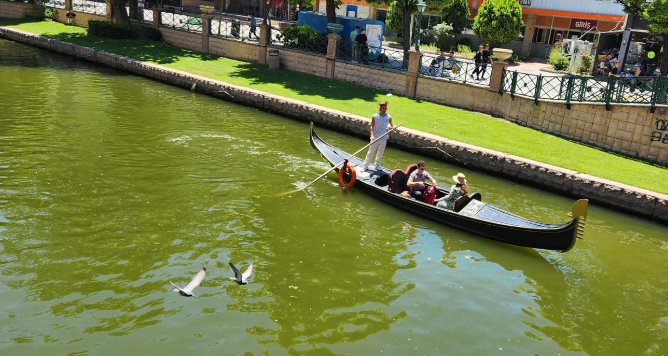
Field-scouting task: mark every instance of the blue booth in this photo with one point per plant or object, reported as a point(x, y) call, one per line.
point(374, 28)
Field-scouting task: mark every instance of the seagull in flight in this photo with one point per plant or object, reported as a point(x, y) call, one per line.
point(187, 291)
point(241, 277)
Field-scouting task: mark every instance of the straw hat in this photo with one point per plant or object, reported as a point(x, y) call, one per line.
point(459, 178)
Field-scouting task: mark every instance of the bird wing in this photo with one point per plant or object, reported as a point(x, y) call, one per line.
point(176, 288)
point(247, 273)
point(237, 274)
point(195, 281)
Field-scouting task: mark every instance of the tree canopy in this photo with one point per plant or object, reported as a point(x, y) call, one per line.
point(498, 21)
point(407, 8)
point(457, 15)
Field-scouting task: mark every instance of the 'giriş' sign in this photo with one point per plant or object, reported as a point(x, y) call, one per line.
point(583, 25)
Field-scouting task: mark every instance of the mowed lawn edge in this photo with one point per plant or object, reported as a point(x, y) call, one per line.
point(457, 124)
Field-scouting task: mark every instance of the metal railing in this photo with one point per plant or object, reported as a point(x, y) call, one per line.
point(235, 29)
point(432, 65)
point(380, 57)
point(90, 6)
point(58, 4)
point(629, 90)
point(188, 22)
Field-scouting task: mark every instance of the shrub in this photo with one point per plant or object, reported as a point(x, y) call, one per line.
point(49, 13)
point(427, 37)
point(114, 31)
point(304, 38)
point(150, 33)
point(498, 21)
point(558, 59)
point(465, 50)
point(106, 29)
point(586, 63)
point(443, 36)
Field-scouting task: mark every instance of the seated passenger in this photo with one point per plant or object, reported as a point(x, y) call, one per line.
point(416, 181)
point(456, 191)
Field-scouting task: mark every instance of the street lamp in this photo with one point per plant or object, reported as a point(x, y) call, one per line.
point(421, 6)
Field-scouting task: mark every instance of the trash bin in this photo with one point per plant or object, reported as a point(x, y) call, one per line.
point(274, 59)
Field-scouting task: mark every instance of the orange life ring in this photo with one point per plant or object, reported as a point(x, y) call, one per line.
point(353, 176)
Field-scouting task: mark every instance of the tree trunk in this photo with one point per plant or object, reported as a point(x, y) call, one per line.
point(134, 10)
point(118, 13)
point(407, 30)
point(407, 37)
point(664, 58)
point(331, 11)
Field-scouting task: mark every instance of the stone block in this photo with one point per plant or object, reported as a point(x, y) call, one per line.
point(661, 208)
point(614, 194)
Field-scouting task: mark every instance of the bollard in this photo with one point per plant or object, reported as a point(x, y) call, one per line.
point(274, 59)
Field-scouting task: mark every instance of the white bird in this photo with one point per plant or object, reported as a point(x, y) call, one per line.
point(187, 291)
point(239, 277)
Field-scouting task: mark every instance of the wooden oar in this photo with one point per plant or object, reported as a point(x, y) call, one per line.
point(337, 165)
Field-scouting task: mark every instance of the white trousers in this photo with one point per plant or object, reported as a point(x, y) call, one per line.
point(380, 145)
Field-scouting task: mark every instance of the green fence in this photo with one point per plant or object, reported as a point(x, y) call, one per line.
point(627, 90)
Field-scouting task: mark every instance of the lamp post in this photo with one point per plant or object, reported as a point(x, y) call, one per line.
point(421, 6)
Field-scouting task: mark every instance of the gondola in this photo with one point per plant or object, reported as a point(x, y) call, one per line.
point(470, 213)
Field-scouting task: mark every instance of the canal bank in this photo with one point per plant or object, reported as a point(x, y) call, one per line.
point(623, 197)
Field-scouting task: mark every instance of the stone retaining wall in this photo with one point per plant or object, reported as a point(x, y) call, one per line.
point(19, 10)
point(623, 197)
point(244, 51)
point(81, 18)
point(390, 81)
point(299, 61)
point(628, 129)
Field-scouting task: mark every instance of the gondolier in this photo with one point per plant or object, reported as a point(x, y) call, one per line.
point(379, 124)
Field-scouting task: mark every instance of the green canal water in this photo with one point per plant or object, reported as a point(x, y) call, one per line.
point(111, 185)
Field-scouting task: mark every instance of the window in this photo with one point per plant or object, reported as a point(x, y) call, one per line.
point(557, 37)
point(540, 35)
point(525, 2)
point(381, 15)
point(520, 35)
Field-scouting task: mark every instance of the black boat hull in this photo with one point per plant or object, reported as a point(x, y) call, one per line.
point(477, 217)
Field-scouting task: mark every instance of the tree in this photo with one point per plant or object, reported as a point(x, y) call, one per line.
point(498, 21)
point(457, 16)
point(330, 8)
point(657, 13)
point(118, 13)
point(407, 8)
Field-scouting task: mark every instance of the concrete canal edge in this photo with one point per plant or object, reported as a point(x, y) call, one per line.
point(623, 197)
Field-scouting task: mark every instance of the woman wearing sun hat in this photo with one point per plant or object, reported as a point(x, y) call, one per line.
point(458, 190)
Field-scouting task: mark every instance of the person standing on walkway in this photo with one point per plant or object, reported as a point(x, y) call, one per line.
point(379, 124)
point(363, 45)
point(253, 26)
point(478, 63)
point(486, 58)
point(355, 48)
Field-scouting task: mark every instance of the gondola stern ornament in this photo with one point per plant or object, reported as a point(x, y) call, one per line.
point(579, 212)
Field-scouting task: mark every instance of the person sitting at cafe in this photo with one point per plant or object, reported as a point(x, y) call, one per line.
point(416, 181)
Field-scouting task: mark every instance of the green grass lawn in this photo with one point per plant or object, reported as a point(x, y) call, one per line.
point(457, 124)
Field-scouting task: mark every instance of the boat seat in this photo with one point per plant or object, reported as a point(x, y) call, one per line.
point(463, 201)
point(399, 179)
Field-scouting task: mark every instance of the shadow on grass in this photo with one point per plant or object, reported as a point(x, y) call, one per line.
point(303, 83)
point(149, 51)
